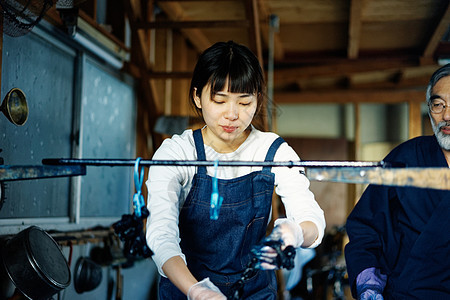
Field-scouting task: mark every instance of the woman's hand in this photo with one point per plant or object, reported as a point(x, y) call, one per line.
point(288, 233)
point(205, 290)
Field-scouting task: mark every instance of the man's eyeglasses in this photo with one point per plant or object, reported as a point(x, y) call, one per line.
point(437, 107)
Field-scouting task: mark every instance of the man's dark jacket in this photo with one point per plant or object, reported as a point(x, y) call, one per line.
point(404, 231)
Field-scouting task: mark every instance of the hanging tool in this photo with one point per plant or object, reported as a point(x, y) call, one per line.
point(138, 199)
point(130, 228)
point(216, 199)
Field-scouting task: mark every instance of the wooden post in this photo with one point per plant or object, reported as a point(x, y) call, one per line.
point(415, 119)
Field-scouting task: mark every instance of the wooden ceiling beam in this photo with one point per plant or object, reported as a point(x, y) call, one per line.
point(422, 73)
point(401, 78)
point(195, 36)
point(354, 30)
point(193, 24)
point(351, 96)
point(436, 37)
point(342, 68)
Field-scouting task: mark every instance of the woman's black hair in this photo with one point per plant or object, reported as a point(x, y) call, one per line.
point(230, 61)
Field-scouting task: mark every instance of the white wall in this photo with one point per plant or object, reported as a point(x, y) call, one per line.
point(378, 122)
point(309, 120)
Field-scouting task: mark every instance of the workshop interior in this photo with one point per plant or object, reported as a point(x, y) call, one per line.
point(91, 88)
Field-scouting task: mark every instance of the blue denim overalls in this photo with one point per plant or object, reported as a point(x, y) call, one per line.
point(220, 249)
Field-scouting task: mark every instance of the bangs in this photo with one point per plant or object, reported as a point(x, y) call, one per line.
point(242, 78)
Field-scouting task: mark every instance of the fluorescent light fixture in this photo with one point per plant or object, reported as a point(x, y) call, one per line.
point(99, 51)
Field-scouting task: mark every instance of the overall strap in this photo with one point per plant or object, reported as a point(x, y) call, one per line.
point(200, 148)
point(271, 152)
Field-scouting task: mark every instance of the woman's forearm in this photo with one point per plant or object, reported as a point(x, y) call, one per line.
point(179, 274)
point(310, 233)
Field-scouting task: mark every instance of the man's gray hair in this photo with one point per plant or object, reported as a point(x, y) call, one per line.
point(438, 74)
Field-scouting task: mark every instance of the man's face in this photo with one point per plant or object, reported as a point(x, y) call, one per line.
point(440, 98)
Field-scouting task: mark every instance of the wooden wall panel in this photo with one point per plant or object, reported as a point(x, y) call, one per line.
point(331, 196)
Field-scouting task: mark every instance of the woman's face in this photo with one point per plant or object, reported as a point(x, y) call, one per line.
point(227, 117)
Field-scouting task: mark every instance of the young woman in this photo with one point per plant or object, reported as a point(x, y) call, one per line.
point(199, 257)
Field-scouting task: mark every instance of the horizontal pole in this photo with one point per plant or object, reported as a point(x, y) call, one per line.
point(143, 162)
point(334, 171)
point(433, 177)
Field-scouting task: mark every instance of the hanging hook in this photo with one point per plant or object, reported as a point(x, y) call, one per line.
point(138, 198)
point(216, 199)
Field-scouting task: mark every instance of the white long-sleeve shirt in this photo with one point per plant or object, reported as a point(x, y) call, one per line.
point(168, 187)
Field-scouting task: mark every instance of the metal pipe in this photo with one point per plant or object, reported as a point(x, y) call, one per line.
point(274, 24)
point(360, 172)
point(143, 162)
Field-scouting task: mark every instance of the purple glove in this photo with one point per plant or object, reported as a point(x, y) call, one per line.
point(369, 294)
point(370, 284)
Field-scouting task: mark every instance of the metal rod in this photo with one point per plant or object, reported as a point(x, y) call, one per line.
point(359, 172)
point(274, 24)
point(131, 162)
point(432, 177)
point(13, 173)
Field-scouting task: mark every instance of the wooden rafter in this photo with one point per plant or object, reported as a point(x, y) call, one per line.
point(354, 30)
point(193, 24)
point(195, 36)
point(423, 73)
point(383, 74)
point(340, 69)
point(440, 30)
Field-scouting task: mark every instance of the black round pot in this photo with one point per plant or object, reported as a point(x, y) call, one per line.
point(36, 264)
point(87, 276)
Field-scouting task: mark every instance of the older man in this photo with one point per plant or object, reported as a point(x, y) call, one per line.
point(400, 236)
